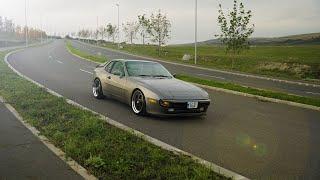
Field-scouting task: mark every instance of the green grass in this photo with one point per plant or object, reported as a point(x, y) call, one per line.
point(249, 90)
point(106, 151)
point(253, 91)
point(290, 62)
point(96, 58)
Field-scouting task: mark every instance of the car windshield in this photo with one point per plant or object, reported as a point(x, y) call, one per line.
point(146, 69)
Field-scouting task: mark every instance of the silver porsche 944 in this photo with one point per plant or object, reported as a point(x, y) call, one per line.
point(148, 88)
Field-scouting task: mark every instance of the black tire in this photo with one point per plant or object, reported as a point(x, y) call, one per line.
point(97, 89)
point(138, 103)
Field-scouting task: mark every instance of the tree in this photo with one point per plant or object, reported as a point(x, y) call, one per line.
point(1, 24)
point(111, 32)
point(85, 34)
point(144, 26)
point(19, 32)
point(102, 32)
point(95, 34)
point(8, 26)
point(130, 30)
point(235, 29)
point(25, 31)
point(159, 29)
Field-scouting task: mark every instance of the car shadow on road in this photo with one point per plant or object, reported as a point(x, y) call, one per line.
point(176, 118)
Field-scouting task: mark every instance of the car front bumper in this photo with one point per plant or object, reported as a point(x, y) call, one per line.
point(178, 108)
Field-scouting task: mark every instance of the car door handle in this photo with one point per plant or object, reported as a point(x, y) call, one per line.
point(109, 77)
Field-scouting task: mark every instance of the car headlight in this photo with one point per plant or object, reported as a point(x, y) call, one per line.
point(152, 101)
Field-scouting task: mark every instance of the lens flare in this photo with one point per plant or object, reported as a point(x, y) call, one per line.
point(245, 141)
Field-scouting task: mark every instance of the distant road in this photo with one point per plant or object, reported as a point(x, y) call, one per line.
point(9, 48)
point(260, 140)
point(5, 44)
point(207, 74)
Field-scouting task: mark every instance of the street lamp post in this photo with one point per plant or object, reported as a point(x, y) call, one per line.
point(41, 29)
point(26, 25)
point(118, 5)
point(196, 31)
point(97, 31)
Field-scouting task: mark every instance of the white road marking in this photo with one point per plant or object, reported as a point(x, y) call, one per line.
point(59, 61)
point(86, 71)
point(218, 77)
point(314, 93)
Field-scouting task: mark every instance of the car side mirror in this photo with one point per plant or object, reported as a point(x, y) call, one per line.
point(174, 75)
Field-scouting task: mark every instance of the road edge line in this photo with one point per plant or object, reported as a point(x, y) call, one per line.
point(262, 98)
point(214, 70)
point(214, 167)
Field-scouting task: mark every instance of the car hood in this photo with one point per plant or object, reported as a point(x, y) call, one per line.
point(172, 88)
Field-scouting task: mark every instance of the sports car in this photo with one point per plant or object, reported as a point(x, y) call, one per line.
point(148, 88)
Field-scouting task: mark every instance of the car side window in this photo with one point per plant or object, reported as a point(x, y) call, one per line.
point(109, 66)
point(117, 68)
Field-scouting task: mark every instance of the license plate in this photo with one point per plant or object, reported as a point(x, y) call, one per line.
point(192, 105)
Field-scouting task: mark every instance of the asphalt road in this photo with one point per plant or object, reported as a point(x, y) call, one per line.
point(24, 156)
point(260, 140)
point(206, 74)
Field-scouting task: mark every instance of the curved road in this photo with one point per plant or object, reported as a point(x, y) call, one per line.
point(297, 89)
point(260, 140)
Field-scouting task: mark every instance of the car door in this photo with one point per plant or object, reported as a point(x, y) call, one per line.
point(106, 78)
point(117, 80)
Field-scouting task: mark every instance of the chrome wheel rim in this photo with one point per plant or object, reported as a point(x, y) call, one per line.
point(96, 88)
point(137, 102)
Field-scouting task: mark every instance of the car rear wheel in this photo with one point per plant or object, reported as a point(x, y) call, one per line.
point(138, 103)
point(97, 89)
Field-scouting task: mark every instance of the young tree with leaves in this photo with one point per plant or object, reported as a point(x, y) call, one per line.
point(144, 26)
point(102, 32)
point(159, 29)
point(96, 34)
point(235, 29)
point(130, 30)
point(111, 32)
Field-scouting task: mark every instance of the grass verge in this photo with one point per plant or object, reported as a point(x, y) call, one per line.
point(235, 87)
point(96, 58)
point(106, 151)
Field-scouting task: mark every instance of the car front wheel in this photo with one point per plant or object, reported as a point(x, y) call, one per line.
point(138, 103)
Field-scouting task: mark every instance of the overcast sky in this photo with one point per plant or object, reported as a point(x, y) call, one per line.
point(271, 17)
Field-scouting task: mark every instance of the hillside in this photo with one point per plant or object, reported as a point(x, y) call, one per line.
point(300, 39)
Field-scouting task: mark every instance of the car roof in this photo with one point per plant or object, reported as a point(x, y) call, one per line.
point(133, 60)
